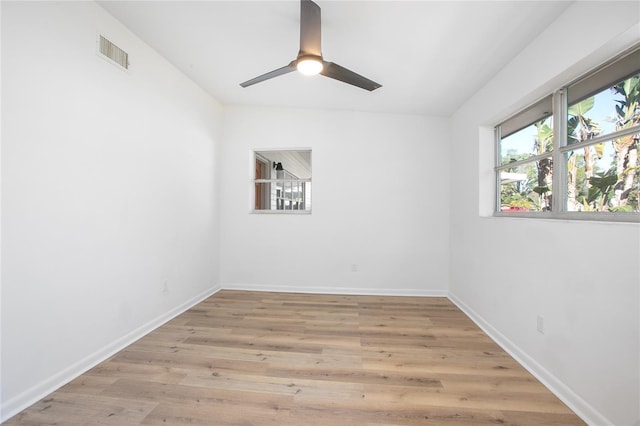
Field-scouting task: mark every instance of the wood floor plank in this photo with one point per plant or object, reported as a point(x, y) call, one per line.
point(258, 358)
point(63, 408)
point(319, 415)
point(114, 370)
point(220, 413)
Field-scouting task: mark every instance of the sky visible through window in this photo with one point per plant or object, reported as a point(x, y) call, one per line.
point(522, 143)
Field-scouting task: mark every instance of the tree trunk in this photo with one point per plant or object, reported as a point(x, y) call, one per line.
point(544, 180)
point(630, 175)
point(572, 183)
point(622, 163)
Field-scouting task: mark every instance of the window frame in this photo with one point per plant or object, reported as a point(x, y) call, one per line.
point(588, 85)
point(256, 155)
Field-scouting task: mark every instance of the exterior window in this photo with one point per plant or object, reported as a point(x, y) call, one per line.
point(588, 132)
point(282, 181)
point(602, 150)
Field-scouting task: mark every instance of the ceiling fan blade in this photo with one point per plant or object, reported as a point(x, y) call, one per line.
point(340, 73)
point(310, 24)
point(271, 74)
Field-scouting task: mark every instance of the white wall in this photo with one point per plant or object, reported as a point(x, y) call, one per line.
point(108, 193)
point(582, 277)
point(380, 201)
point(97, 217)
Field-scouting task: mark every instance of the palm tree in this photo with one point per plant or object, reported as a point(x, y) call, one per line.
point(626, 147)
point(544, 143)
point(580, 128)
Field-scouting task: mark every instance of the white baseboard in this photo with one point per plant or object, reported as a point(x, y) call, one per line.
point(337, 290)
point(583, 409)
point(29, 397)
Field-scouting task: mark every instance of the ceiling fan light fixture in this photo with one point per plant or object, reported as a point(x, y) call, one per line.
point(309, 60)
point(309, 65)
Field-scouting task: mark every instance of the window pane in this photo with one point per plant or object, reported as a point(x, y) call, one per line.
point(526, 188)
point(283, 195)
point(612, 109)
point(532, 140)
point(306, 196)
point(288, 164)
point(604, 177)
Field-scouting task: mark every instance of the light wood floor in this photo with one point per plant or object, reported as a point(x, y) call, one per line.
point(251, 358)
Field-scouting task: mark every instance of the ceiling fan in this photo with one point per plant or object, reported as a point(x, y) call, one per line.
point(310, 60)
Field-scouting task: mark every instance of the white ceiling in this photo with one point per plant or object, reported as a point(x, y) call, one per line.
point(430, 56)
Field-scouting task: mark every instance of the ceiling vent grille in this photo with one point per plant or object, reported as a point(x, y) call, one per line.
point(114, 53)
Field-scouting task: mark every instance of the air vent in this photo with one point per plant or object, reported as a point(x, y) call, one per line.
point(114, 53)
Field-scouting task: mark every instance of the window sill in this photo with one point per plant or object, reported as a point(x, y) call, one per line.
point(285, 212)
point(575, 216)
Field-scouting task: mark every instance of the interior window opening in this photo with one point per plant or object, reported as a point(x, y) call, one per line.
point(282, 181)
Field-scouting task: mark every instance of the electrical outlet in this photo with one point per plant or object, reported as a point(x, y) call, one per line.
point(165, 287)
point(354, 267)
point(540, 324)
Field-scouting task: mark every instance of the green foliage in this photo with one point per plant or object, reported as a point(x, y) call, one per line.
point(624, 209)
point(516, 199)
point(627, 108)
point(520, 194)
point(579, 126)
point(544, 136)
point(541, 190)
point(633, 194)
point(601, 190)
point(581, 108)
